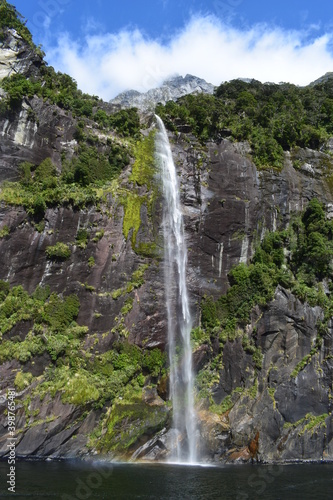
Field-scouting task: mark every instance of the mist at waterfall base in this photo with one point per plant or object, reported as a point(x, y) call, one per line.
point(76, 480)
point(181, 379)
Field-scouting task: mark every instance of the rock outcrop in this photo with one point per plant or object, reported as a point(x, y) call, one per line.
point(16, 56)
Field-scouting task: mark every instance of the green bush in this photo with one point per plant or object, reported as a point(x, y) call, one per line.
point(60, 313)
point(82, 238)
point(91, 262)
point(45, 173)
point(59, 251)
point(154, 361)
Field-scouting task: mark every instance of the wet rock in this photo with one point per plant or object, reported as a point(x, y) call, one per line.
point(200, 357)
point(242, 455)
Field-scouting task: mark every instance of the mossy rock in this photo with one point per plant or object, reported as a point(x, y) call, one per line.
point(129, 423)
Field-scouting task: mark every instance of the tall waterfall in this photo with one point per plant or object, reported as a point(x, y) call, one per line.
point(177, 305)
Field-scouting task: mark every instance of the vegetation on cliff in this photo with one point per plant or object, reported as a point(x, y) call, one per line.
point(298, 258)
point(11, 18)
point(272, 118)
point(40, 334)
point(75, 368)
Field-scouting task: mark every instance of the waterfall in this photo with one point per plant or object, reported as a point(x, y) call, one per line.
point(177, 306)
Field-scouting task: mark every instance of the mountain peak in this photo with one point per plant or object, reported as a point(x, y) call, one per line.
point(322, 79)
point(170, 90)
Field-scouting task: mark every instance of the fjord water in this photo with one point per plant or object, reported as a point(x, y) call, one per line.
point(97, 481)
point(177, 305)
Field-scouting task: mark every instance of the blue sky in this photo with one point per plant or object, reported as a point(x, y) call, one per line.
point(109, 47)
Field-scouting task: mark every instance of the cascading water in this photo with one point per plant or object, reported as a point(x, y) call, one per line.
point(177, 304)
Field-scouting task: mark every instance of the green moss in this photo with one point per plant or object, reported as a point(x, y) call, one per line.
point(132, 215)
point(42, 421)
point(89, 288)
point(137, 280)
point(144, 168)
point(301, 365)
point(127, 307)
point(128, 422)
point(271, 392)
point(146, 249)
point(117, 293)
point(91, 262)
point(142, 175)
point(4, 232)
point(253, 390)
point(223, 407)
point(257, 358)
point(98, 236)
point(309, 423)
point(22, 380)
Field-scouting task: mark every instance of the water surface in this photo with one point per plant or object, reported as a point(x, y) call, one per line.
point(97, 481)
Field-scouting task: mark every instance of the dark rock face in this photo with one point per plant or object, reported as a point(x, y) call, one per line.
point(228, 205)
point(57, 432)
point(286, 331)
point(24, 139)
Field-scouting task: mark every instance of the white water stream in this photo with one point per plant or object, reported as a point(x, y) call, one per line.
point(177, 304)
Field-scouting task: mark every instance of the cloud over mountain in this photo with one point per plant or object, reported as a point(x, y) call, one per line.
point(113, 62)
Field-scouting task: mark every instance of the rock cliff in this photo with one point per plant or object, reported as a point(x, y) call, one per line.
point(63, 408)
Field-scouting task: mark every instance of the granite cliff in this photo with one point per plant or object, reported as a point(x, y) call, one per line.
point(84, 325)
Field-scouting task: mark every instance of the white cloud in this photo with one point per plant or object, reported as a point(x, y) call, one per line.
point(107, 64)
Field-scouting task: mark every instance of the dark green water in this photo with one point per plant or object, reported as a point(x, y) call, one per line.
point(96, 481)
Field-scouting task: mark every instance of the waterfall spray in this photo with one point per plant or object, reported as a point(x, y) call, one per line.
point(177, 305)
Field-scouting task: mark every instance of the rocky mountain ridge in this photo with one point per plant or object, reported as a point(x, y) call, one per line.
point(171, 90)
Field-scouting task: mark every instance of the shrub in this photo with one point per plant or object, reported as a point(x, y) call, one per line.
point(59, 251)
point(154, 361)
point(22, 380)
point(82, 238)
point(91, 262)
point(59, 313)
